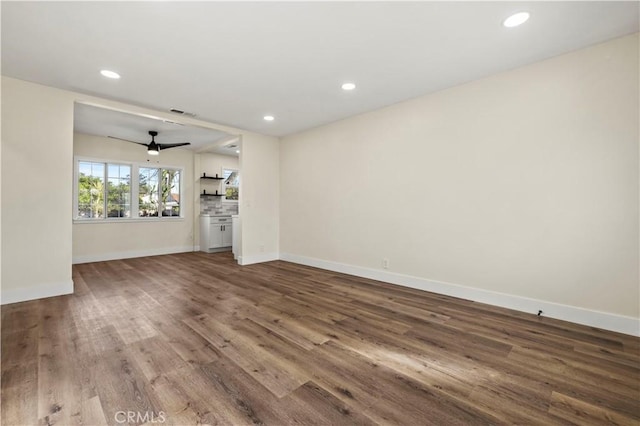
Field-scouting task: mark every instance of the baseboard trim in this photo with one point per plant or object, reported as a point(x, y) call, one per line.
point(258, 258)
point(39, 291)
point(130, 254)
point(603, 320)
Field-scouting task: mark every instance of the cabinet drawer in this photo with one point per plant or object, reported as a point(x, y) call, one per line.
point(220, 220)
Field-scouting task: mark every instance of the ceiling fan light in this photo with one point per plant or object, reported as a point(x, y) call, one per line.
point(153, 150)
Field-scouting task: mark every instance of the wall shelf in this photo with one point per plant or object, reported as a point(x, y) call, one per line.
point(204, 194)
point(216, 177)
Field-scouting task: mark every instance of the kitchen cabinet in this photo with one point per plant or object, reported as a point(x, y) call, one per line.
point(216, 233)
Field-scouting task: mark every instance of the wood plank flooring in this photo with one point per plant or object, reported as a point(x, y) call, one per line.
point(194, 339)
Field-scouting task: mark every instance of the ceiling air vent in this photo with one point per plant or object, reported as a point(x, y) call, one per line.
point(172, 122)
point(181, 112)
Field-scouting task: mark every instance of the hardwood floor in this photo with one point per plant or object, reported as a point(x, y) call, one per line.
point(192, 339)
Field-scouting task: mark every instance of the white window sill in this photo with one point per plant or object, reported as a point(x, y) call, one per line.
point(131, 220)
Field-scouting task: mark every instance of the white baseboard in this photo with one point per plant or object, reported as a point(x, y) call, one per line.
point(258, 258)
point(39, 291)
point(604, 320)
point(130, 254)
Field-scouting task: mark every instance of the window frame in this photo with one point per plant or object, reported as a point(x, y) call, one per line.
point(135, 190)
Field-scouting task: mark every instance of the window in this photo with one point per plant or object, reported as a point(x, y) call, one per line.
point(170, 191)
point(111, 190)
point(231, 185)
point(90, 198)
point(148, 192)
point(157, 185)
point(118, 190)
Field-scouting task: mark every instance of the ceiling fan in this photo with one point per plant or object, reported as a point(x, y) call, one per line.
point(154, 148)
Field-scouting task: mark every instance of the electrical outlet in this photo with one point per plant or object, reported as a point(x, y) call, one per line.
point(261, 248)
point(385, 263)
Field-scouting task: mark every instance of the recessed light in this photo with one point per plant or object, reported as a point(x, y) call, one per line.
point(348, 86)
point(110, 74)
point(516, 19)
point(269, 118)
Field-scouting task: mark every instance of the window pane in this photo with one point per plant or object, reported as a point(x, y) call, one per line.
point(231, 193)
point(84, 168)
point(114, 171)
point(119, 191)
point(148, 192)
point(171, 192)
point(232, 177)
point(90, 190)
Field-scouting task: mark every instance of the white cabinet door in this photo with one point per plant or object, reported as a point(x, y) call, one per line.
point(227, 235)
point(215, 233)
point(215, 236)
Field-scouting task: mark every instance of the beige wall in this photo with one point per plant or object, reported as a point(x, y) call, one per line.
point(37, 187)
point(524, 183)
point(1, 193)
point(100, 241)
point(37, 139)
point(259, 198)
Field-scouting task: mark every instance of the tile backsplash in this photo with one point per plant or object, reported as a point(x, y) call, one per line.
point(215, 206)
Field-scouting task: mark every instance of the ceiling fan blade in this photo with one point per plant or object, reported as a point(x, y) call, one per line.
point(172, 145)
point(127, 140)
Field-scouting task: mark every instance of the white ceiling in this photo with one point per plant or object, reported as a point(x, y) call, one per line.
point(234, 62)
point(109, 123)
